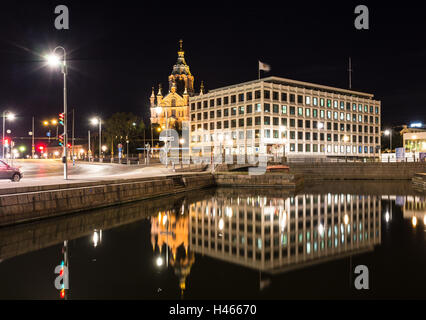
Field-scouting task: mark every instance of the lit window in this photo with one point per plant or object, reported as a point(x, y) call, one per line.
point(308, 100)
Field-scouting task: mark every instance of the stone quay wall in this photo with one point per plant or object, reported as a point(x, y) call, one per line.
point(281, 180)
point(358, 171)
point(33, 204)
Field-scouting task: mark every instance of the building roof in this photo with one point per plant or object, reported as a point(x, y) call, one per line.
point(300, 84)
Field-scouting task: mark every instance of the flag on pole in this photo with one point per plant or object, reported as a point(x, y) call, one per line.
point(264, 66)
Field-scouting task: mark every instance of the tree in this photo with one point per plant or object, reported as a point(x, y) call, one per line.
point(121, 126)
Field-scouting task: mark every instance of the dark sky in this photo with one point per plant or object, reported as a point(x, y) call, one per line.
point(119, 49)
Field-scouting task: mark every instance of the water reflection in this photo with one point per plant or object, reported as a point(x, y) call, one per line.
point(170, 242)
point(281, 234)
point(414, 209)
point(269, 231)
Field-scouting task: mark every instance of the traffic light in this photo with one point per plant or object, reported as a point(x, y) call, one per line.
point(6, 141)
point(61, 118)
point(61, 139)
point(41, 148)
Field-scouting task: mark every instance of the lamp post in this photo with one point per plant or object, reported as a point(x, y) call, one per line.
point(54, 60)
point(388, 132)
point(9, 116)
point(346, 139)
point(159, 110)
point(97, 121)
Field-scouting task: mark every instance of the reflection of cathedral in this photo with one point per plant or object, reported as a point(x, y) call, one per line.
point(277, 235)
point(169, 234)
point(174, 106)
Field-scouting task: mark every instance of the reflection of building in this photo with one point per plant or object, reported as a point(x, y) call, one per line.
point(277, 235)
point(174, 106)
point(169, 233)
point(298, 118)
point(415, 209)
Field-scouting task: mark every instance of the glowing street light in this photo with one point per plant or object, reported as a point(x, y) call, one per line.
point(6, 116)
point(388, 132)
point(345, 140)
point(54, 60)
point(97, 121)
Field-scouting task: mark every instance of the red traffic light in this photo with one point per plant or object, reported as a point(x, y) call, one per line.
point(41, 147)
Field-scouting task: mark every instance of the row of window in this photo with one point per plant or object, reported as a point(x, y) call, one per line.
point(293, 135)
point(313, 148)
point(301, 112)
point(284, 97)
point(301, 124)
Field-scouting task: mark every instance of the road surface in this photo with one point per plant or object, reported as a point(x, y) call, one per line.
point(44, 172)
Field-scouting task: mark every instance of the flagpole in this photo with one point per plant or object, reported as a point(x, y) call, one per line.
point(258, 67)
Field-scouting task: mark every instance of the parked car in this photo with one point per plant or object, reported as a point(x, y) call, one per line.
point(9, 172)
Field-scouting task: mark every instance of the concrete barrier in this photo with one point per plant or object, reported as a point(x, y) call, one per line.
point(33, 205)
point(279, 180)
point(358, 171)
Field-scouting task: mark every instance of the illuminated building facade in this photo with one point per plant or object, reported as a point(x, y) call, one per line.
point(174, 105)
point(283, 117)
point(277, 235)
point(414, 139)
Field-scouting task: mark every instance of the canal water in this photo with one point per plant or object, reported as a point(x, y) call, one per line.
point(228, 244)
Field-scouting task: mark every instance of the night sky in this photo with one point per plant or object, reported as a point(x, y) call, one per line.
point(118, 50)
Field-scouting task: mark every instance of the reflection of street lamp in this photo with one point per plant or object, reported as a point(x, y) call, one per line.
point(414, 221)
point(159, 262)
point(97, 237)
point(53, 60)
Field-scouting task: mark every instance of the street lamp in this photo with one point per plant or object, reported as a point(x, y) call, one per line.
point(97, 121)
point(346, 139)
point(159, 110)
point(9, 116)
point(388, 132)
point(54, 60)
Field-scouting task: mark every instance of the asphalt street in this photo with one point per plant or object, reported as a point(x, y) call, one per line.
point(44, 172)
